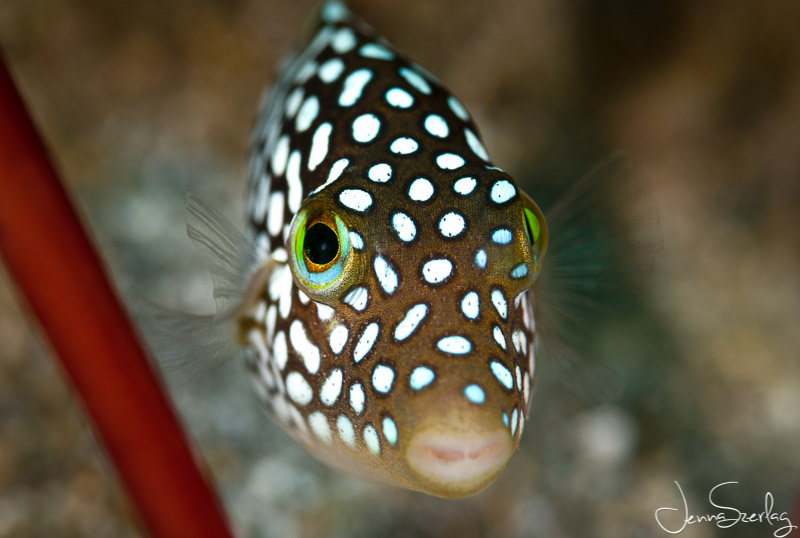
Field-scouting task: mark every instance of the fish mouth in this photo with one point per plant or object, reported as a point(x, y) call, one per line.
point(458, 464)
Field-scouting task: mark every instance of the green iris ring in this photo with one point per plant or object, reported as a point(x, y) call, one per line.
point(533, 225)
point(320, 281)
point(535, 229)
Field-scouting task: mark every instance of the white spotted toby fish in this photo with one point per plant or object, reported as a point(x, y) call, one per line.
point(387, 323)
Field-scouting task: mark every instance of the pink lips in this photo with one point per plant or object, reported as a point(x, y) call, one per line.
point(459, 464)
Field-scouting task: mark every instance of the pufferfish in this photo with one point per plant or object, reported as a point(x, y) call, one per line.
point(383, 296)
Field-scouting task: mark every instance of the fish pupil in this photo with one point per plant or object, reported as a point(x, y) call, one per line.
point(321, 244)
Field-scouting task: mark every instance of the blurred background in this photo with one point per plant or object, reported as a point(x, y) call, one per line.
point(141, 102)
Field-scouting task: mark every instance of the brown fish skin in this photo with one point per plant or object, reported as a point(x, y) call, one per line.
point(393, 336)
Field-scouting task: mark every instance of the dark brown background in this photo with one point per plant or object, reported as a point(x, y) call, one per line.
point(143, 101)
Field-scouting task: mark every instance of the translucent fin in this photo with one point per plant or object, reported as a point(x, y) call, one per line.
point(603, 238)
point(232, 258)
point(187, 344)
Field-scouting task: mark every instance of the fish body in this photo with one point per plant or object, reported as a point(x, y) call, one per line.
point(390, 327)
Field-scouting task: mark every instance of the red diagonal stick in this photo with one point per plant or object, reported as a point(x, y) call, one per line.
point(55, 266)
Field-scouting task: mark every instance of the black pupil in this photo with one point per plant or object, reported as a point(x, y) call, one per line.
point(321, 244)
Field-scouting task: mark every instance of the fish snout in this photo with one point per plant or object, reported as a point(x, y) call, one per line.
point(459, 452)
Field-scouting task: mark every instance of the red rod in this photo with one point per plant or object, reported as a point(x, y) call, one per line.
point(55, 265)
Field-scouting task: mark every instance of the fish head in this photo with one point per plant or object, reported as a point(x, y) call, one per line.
point(429, 274)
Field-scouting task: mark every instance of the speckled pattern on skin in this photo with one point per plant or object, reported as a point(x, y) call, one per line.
point(402, 262)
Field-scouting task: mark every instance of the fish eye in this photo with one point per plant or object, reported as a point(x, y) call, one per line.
point(322, 259)
point(535, 229)
point(320, 246)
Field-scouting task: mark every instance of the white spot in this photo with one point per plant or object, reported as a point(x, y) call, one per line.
point(356, 199)
point(436, 271)
point(357, 298)
point(293, 102)
point(421, 377)
point(285, 299)
point(357, 398)
point(474, 394)
point(298, 389)
point(404, 146)
point(411, 321)
point(399, 98)
point(333, 11)
point(378, 52)
point(307, 114)
point(371, 439)
point(319, 145)
point(470, 305)
point(365, 343)
point(324, 312)
point(502, 374)
point(465, 185)
point(300, 294)
point(305, 72)
point(382, 378)
point(436, 126)
point(380, 173)
point(514, 421)
point(457, 108)
point(480, 259)
point(303, 346)
point(272, 317)
point(279, 350)
point(338, 338)
point(518, 373)
point(275, 214)
point(519, 271)
point(262, 243)
point(420, 190)
point(353, 87)
point(475, 145)
point(336, 170)
point(500, 303)
point(278, 281)
point(415, 79)
point(280, 255)
point(261, 199)
point(386, 275)
point(345, 429)
point(526, 388)
point(449, 161)
point(365, 128)
point(502, 236)
point(497, 332)
point(502, 191)
point(331, 388)
point(320, 427)
point(390, 430)
point(451, 224)
point(295, 191)
point(330, 70)
point(404, 227)
point(356, 240)
point(280, 155)
point(343, 40)
point(456, 345)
